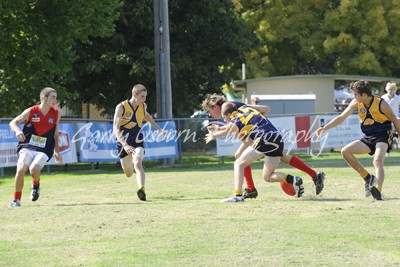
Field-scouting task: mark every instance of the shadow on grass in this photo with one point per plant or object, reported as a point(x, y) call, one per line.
point(327, 199)
point(185, 198)
point(202, 162)
point(99, 204)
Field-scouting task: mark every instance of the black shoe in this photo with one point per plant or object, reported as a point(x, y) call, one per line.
point(376, 193)
point(370, 188)
point(319, 182)
point(35, 192)
point(250, 194)
point(141, 195)
point(369, 182)
point(15, 203)
point(298, 186)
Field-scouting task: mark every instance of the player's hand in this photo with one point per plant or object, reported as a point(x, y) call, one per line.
point(212, 128)
point(129, 149)
point(209, 137)
point(58, 158)
point(163, 132)
point(320, 131)
point(20, 136)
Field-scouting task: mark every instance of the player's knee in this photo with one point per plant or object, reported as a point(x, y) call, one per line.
point(240, 163)
point(267, 178)
point(35, 170)
point(378, 162)
point(21, 171)
point(128, 172)
point(138, 165)
point(345, 152)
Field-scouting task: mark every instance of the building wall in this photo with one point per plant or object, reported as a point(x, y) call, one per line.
point(322, 85)
point(92, 112)
point(323, 88)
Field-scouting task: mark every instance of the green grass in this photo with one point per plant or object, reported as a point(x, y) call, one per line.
point(93, 218)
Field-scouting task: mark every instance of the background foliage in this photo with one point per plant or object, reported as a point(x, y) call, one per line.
point(38, 45)
point(94, 52)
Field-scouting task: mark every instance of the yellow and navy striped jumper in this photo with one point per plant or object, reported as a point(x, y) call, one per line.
point(372, 119)
point(131, 125)
point(251, 122)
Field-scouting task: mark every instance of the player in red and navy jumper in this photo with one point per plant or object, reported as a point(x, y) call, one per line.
point(37, 142)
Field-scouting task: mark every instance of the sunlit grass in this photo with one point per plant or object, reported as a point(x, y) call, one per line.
point(93, 218)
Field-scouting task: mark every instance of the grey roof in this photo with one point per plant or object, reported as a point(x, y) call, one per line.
point(319, 76)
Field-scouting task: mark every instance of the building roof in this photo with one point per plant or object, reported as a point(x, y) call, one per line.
point(319, 76)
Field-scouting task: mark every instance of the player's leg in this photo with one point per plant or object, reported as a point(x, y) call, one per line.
point(250, 190)
point(379, 158)
point(245, 159)
point(270, 165)
point(297, 163)
point(348, 152)
point(24, 160)
point(248, 156)
point(270, 175)
point(35, 168)
point(317, 177)
point(137, 160)
point(127, 165)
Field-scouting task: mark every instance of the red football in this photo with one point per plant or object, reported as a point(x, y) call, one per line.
point(288, 189)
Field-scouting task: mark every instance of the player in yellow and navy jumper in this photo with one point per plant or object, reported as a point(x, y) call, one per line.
point(375, 120)
point(128, 121)
point(37, 142)
point(260, 139)
point(212, 105)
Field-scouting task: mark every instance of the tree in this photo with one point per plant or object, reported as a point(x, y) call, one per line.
point(37, 43)
point(317, 36)
point(207, 42)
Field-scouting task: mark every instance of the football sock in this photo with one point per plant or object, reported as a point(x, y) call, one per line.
point(367, 177)
point(238, 193)
point(364, 174)
point(17, 195)
point(141, 188)
point(249, 178)
point(35, 183)
point(288, 179)
point(299, 164)
point(379, 187)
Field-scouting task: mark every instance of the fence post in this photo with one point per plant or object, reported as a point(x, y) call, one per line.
point(179, 144)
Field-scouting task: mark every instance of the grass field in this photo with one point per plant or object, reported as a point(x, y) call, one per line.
point(93, 218)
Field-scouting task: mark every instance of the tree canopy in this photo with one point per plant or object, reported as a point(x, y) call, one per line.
point(37, 43)
point(316, 36)
point(207, 40)
point(95, 51)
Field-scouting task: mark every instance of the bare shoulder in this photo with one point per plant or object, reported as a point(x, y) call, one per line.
point(119, 110)
point(353, 104)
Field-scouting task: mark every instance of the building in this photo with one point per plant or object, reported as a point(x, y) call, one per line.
point(302, 94)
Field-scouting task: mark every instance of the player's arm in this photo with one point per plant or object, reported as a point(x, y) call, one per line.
point(263, 109)
point(246, 142)
point(117, 125)
point(148, 118)
point(57, 155)
point(223, 131)
point(18, 120)
point(215, 127)
point(385, 108)
point(339, 119)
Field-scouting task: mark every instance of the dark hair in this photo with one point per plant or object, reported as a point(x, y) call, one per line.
point(361, 87)
point(228, 108)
